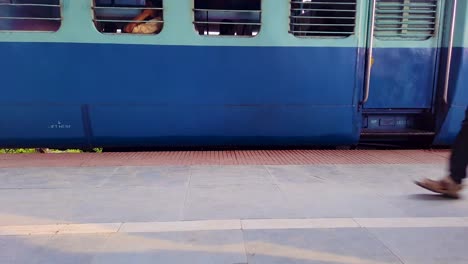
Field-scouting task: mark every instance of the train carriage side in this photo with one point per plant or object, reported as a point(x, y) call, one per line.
point(409, 61)
point(79, 87)
point(452, 108)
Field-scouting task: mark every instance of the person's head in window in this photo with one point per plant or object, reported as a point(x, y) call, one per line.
point(148, 22)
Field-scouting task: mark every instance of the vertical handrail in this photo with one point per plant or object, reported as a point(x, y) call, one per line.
point(369, 54)
point(449, 52)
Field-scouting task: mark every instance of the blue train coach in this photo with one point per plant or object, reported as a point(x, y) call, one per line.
point(142, 73)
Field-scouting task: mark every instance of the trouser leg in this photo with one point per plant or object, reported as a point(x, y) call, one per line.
point(459, 156)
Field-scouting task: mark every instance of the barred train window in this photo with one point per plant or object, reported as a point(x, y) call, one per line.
point(228, 17)
point(322, 18)
point(128, 16)
point(405, 19)
point(30, 15)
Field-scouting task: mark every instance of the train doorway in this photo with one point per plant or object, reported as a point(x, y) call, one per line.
point(402, 64)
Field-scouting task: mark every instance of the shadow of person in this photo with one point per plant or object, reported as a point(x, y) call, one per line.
point(430, 197)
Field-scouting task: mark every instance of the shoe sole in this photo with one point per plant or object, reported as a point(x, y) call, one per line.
point(452, 196)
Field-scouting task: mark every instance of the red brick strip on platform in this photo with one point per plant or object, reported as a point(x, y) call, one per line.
point(241, 157)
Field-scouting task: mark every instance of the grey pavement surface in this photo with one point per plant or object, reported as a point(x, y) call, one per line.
point(48, 196)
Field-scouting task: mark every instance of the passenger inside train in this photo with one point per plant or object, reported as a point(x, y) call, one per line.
point(129, 16)
point(148, 22)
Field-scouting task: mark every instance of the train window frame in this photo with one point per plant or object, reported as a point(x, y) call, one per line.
point(159, 19)
point(402, 37)
point(59, 18)
point(316, 34)
point(253, 34)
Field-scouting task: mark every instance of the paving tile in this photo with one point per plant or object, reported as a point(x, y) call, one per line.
point(54, 178)
point(316, 246)
point(23, 249)
point(126, 204)
point(229, 175)
point(426, 245)
point(203, 247)
point(179, 226)
point(325, 199)
point(34, 206)
point(236, 202)
point(162, 176)
point(300, 173)
point(72, 249)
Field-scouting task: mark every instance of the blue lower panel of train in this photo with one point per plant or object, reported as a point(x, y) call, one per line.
point(151, 125)
point(224, 124)
point(81, 95)
point(458, 96)
point(68, 95)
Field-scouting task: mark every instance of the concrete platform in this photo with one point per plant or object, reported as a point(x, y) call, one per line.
point(329, 211)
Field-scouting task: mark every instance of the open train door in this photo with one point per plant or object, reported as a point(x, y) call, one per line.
point(404, 37)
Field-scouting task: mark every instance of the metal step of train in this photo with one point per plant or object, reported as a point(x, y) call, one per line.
point(400, 126)
point(403, 132)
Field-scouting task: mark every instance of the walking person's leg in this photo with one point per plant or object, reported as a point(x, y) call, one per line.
point(452, 184)
point(459, 158)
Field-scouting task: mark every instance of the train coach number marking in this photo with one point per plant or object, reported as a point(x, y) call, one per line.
point(59, 125)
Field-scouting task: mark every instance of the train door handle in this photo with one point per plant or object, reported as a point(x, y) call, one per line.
point(449, 53)
point(369, 57)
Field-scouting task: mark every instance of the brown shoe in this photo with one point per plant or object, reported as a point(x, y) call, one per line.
point(445, 186)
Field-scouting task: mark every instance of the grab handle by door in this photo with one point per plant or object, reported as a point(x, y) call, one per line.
point(449, 52)
point(369, 54)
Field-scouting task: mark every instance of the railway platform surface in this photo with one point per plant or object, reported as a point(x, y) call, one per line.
point(235, 207)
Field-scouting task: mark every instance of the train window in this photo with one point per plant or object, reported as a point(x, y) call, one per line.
point(128, 16)
point(405, 19)
point(227, 18)
point(322, 18)
point(30, 15)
